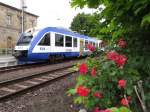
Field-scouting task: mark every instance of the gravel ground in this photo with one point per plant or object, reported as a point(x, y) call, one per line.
point(51, 98)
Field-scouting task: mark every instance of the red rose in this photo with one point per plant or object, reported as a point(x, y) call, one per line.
point(93, 72)
point(83, 68)
point(107, 110)
point(124, 102)
point(121, 60)
point(91, 47)
point(129, 98)
point(122, 83)
point(83, 91)
point(98, 95)
point(122, 43)
point(112, 55)
point(96, 109)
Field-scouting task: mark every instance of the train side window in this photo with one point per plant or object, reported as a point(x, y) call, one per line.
point(74, 42)
point(59, 40)
point(68, 41)
point(86, 43)
point(100, 45)
point(94, 44)
point(45, 40)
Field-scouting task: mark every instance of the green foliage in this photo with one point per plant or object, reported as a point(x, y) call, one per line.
point(81, 3)
point(129, 19)
point(124, 109)
point(108, 73)
point(85, 24)
point(121, 109)
point(71, 92)
point(79, 100)
point(146, 20)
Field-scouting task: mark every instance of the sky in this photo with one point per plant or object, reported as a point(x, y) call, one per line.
point(50, 12)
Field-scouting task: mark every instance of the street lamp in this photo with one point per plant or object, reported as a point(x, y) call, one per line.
point(23, 7)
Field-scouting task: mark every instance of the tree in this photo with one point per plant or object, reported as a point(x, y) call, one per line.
point(129, 19)
point(85, 24)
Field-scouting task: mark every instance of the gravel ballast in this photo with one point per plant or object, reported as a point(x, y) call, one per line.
point(51, 98)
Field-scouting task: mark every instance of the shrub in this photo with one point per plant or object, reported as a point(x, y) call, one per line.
point(107, 80)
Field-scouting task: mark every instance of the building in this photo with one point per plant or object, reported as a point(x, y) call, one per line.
point(11, 22)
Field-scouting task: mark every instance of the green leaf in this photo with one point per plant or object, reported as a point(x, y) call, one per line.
point(129, 91)
point(80, 80)
point(78, 100)
point(78, 3)
point(114, 109)
point(146, 20)
point(124, 109)
point(71, 91)
point(113, 73)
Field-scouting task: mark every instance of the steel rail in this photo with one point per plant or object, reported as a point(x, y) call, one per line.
point(19, 67)
point(52, 74)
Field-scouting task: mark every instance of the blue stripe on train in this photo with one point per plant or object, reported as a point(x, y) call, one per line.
point(45, 56)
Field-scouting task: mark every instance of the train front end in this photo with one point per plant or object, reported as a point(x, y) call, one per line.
point(22, 46)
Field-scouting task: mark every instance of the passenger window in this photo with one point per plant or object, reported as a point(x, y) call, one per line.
point(74, 42)
point(93, 43)
point(59, 40)
point(68, 41)
point(96, 44)
point(100, 45)
point(45, 40)
point(86, 43)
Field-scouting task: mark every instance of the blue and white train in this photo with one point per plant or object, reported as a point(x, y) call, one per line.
point(50, 43)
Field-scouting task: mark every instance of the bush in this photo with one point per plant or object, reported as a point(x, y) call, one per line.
point(108, 80)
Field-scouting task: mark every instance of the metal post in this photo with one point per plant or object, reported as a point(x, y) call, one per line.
point(22, 16)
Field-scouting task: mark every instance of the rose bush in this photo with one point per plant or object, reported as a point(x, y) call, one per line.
point(107, 80)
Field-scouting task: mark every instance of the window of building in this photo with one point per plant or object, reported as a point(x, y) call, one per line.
point(33, 23)
point(74, 42)
point(68, 41)
point(45, 40)
point(59, 40)
point(86, 43)
point(9, 19)
point(9, 42)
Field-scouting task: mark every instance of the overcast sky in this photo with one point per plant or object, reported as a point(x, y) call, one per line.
point(50, 12)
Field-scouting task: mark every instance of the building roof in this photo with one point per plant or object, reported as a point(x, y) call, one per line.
point(11, 7)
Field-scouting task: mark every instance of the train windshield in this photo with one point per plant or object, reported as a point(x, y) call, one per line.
point(25, 39)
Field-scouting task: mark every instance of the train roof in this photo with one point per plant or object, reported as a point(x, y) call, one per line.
point(61, 30)
point(68, 32)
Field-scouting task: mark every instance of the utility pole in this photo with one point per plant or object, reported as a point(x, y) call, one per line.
point(22, 14)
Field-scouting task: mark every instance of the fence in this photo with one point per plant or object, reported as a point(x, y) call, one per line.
point(6, 51)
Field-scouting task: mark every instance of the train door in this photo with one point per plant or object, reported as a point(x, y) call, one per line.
point(81, 47)
point(44, 45)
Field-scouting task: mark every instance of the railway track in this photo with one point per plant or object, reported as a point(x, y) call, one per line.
point(27, 66)
point(16, 86)
point(19, 67)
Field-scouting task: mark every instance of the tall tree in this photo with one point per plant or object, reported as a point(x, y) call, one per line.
point(85, 24)
point(129, 19)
